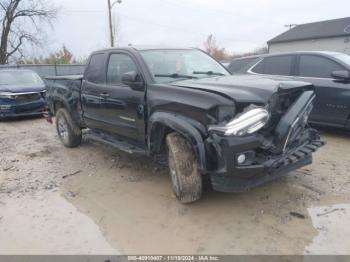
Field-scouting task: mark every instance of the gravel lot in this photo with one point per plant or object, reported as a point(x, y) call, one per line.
point(96, 200)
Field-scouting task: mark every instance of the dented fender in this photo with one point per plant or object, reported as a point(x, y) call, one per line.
point(188, 128)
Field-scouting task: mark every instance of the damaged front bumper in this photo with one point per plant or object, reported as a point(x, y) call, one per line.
point(249, 161)
point(9, 110)
point(259, 167)
point(22, 104)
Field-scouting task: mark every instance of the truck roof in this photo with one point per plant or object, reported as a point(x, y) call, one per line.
point(143, 48)
point(326, 53)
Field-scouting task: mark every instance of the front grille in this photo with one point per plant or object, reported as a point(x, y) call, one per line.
point(290, 131)
point(27, 98)
point(288, 122)
point(32, 109)
point(279, 105)
point(298, 128)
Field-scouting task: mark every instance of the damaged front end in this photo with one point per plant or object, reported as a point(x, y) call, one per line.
point(14, 104)
point(262, 144)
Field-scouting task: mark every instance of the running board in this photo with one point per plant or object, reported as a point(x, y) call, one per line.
point(114, 142)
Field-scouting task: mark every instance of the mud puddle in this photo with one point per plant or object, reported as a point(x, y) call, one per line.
point(144, 217)
point(45, 225)
point(332, 222)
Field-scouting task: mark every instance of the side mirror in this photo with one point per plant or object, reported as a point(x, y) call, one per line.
point(133, 80)
point(341, 75)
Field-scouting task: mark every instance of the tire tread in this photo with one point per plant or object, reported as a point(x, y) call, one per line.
point(189, 177)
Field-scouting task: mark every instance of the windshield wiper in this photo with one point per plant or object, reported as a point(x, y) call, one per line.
point(175, 75)
point(210, 73)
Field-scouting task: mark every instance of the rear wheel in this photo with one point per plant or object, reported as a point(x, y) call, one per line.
point(185, 177)
point(69, 132)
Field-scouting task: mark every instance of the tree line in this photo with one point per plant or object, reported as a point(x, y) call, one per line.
point(22, 24)
point(221, 54)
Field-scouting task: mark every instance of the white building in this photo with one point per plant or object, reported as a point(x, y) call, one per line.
point(331, 35)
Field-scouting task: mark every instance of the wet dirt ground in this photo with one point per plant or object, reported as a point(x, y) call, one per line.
point(97, 200)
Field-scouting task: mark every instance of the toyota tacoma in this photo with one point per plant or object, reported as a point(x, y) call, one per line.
point(237, 131)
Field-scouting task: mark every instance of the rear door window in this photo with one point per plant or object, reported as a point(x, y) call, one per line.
point(259, 68)
point(238, 65)
point(276, 65)
point(317, 66)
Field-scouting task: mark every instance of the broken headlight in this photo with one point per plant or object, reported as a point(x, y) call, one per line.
point(246, 123)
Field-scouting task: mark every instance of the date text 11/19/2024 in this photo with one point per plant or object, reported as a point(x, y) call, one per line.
point(174, 258)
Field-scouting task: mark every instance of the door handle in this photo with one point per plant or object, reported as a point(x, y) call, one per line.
point(104, 95)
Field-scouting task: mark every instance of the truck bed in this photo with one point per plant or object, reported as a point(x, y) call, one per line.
point(67, 90)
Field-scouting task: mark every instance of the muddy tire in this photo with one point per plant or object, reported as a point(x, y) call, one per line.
point(185, 177)
point(69, 132)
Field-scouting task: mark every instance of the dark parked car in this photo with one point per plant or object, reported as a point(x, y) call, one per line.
point(21, 93)
point(329, 72)
point(238, 131)
point(225, 63)
point(242, 65)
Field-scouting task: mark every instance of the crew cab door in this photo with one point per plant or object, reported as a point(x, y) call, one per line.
point(112, 106)
point(332, 105)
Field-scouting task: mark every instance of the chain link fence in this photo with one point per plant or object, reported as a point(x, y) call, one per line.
point(50, 70)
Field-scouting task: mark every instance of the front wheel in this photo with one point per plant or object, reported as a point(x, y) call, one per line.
point(69, 132)
point(185, 177)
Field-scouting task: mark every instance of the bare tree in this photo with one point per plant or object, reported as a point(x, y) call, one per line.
point(220, 53)
point(21, 22)
point(214, 50)
point(258, 51)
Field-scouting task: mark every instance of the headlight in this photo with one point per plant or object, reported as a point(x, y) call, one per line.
point(7, 95)
point(246, 123)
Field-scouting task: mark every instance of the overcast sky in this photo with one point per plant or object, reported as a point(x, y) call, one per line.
point(240, 25)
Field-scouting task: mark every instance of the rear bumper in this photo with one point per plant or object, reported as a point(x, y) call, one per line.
point(260, 167)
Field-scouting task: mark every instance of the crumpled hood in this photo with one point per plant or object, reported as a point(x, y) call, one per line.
point(22, 88)
point(245, 88)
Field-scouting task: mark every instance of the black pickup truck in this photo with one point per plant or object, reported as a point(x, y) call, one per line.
point(238, 131)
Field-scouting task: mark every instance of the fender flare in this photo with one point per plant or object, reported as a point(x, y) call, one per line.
point(67, 104)
point(179, 124)
point(61, 100)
